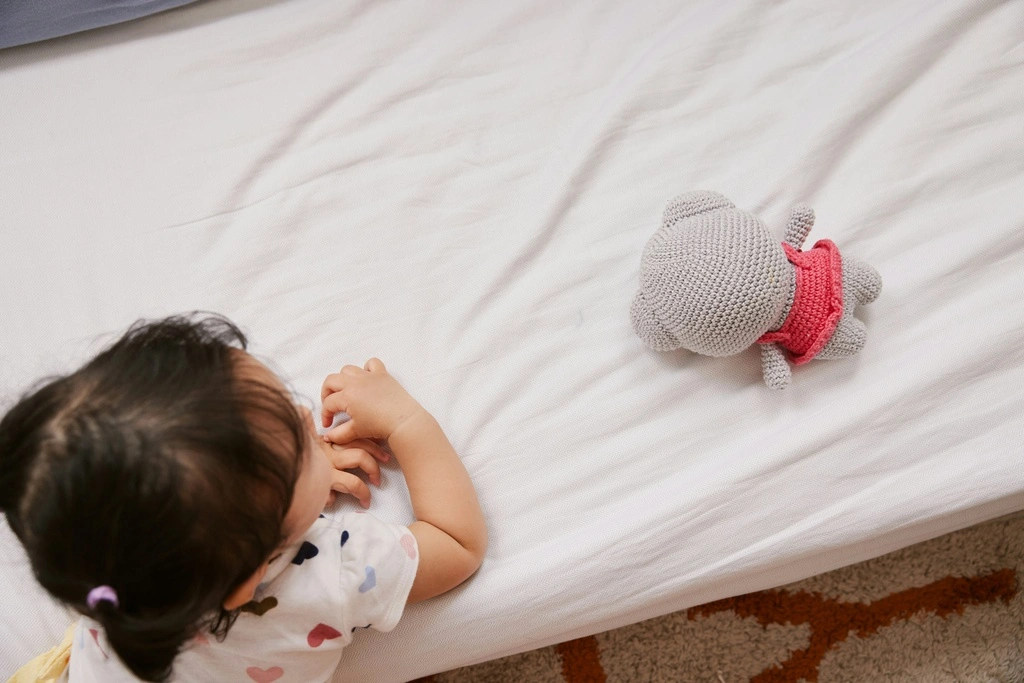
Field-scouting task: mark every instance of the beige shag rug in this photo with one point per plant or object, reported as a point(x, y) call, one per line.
point(944, 611)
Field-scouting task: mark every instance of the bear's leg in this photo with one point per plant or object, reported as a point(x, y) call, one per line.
point(847, 339)
point(775, 367)
point(801, 220)
point(861, 281)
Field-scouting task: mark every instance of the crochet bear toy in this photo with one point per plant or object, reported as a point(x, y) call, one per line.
point(714, 280)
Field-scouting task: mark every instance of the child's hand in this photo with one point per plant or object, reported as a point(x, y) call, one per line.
point(360, 454)
point(376, 402)
point(451, 537)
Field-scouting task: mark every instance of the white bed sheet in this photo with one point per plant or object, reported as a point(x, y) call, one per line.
point(464, 189)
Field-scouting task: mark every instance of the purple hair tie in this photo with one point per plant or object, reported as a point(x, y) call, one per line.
point(100, 593)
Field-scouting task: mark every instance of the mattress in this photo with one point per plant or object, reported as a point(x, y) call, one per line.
point(464, 190)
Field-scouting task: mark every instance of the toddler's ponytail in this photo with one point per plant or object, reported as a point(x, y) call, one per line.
point(147, 647)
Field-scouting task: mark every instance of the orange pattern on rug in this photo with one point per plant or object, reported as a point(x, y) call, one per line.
point(833, 621)
point(581, 661)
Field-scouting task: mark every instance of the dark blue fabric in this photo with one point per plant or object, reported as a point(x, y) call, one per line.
point(26, 21)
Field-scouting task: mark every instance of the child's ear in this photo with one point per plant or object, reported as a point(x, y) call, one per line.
point(245, 592)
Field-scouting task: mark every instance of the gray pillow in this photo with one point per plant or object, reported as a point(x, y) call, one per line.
point(26, 21)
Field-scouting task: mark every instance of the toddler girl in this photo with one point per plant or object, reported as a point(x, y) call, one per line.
point(170, 492)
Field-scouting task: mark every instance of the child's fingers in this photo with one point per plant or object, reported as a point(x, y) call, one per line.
point(349, 458)
point(343, 433)
point(335, 403)
point(345, 482)
point(331, 386)
point(375, 365)
point(336, 381)
point(332, 383)
point(371, 447)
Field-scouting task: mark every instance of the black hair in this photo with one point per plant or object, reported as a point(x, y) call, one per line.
point(152, 470)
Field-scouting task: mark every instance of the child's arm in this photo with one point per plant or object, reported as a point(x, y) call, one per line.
point(449, 526)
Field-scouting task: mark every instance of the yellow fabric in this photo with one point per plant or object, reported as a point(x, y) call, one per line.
point(47, 667)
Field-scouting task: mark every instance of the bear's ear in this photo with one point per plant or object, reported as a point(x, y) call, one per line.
point(692, 204)
point(648, 327)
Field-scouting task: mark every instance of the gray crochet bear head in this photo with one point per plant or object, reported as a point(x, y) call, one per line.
point(714, 280)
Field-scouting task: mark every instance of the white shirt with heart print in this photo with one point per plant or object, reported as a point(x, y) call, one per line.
point(346, 574)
